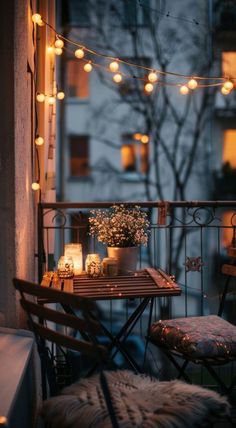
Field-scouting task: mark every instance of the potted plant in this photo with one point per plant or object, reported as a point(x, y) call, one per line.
point(122, 229)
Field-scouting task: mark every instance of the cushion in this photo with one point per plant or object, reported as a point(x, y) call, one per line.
point(206, 336)
point(138, 400)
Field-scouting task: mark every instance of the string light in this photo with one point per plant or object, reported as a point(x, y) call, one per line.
point(152, 77)
point(114, 66)
point(225, 91)
point(50, 49)
point(40, 98)
point(117, 77)
point(39, 141)
point(148, 87)
point(36, 18)
point(88, 67)
point(228, 85)
point(35, 186)
point(184, 90)
point(137, 136)
point(79, 53)
point(58, 51)
point(59, 43)
point(192, 84)
point(60, 95)
point(144, 139)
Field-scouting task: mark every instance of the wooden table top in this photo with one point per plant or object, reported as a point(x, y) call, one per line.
point(144, 283)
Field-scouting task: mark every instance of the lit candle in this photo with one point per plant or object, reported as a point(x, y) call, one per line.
point(65, 267)
point(93, 265)
point(75, 252)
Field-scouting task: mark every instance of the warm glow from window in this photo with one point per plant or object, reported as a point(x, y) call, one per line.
point(79, 155)
point(227, 232)
point(128, 158)
point(229, 64)
point(229, 147)
point(77, 79)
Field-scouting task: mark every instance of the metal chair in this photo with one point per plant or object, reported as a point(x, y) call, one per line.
point(206, 340)
point(111, 398)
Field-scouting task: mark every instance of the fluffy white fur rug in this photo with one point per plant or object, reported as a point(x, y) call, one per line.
point(138, 402)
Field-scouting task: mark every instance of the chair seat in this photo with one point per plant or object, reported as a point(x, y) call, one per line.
point(138, 401)
point(196, 337)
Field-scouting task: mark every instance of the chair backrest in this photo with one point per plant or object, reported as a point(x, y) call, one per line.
point(44, 321)
point(230, 272)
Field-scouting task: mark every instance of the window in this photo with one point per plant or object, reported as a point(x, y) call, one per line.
point(77, 80)
point(75, 13)
point(229, 148)
point(227, 232)
point(79, 155)
point(134, 155)
point(229, 64)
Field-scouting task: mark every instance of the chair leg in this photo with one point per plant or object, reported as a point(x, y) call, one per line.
point(180, 368)
point(224, 389)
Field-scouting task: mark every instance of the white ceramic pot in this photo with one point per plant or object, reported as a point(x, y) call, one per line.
point(127, 258)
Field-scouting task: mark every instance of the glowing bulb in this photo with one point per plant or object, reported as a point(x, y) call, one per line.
point(152, 77)
point(58, 51)
point(36, 18)
point(79, 53)
point(50, 49)
point(39, 141)
point(114, 66)
point(40, 23)
point(88, 67)
point(148, 87)
point(60, 95)
point(35, 186)
point(137, 136)
point(228, 85)
point(192, 84)
point(40, 98)
point(184, 90)
point(225, 91)
point(51, 101)
point(145, 139)
point(117, 77)
point(59, 43)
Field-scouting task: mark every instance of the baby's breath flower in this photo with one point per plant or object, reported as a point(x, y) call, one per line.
point(120, 227)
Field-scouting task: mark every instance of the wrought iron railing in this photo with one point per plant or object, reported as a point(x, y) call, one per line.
point(187, 239)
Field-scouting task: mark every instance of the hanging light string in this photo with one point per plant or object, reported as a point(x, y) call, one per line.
point(189, 83)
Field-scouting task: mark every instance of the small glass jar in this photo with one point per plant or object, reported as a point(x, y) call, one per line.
point(109, 266)
point(93, 265)
point(65, 267)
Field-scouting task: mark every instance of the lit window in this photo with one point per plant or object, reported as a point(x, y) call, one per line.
point(229, 148)
point(79, 155)
point(229, 64)
point(134, 155)
point(227, 232)
point(77, 80)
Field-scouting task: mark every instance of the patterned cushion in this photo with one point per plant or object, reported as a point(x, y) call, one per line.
point(206, 336)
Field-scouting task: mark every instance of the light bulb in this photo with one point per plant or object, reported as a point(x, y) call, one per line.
point(60, 95)
point(148, 87)
point(40, 98)
point(88, 67)
point(36, 18)
point(192, 84)
point(117, 77)
point(51, 101)
point(184, 90)
point(152, 77)
point(114, 66)
point(35, 186)
point(145, 139)
point(59, 43)
point(137, 136)
point(41, 23)
point(79, 53)
point(58, 51)
point(228, 85)
point(39, 141)
point(225, 91)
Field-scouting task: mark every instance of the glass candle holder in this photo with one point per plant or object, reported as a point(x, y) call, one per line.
point(109, 266)
point(75, 252)
point(65, 267)
point(93, 265)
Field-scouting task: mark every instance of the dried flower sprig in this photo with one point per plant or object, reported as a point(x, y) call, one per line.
point(120, 226)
